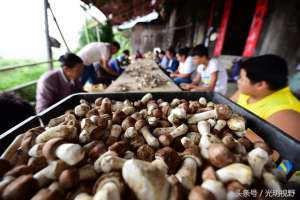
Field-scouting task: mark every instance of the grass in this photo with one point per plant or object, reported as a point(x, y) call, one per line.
point(13, 78)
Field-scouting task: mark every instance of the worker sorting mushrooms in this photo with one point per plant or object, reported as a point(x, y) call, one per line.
point(147, 149)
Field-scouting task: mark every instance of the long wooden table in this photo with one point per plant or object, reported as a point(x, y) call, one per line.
point(143, 75)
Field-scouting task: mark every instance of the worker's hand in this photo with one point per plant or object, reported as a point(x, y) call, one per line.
point(172, 75)
point(185, 86)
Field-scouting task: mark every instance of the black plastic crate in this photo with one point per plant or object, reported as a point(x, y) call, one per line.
point(288, 147)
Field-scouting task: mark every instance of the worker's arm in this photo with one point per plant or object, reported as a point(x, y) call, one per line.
point(197, 79)
point(210, 87)
point(104, 65)
point(181, 75)
point(288, 121)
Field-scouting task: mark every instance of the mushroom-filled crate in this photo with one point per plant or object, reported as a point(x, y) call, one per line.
point(145, 146)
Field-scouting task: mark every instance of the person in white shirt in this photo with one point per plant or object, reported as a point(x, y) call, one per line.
point(186, 67)
point(211, 75)
point(97, 52)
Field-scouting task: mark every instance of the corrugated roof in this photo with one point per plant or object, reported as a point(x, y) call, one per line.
point(124, 10)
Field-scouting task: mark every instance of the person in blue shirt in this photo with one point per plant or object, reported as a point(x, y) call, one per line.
point(124, 58)
point(173, 62)
point(164, 60)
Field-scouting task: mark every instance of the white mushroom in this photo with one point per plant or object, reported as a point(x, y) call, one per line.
point(215, 187)
point(145, 180)
point(257, 159)
point(220, 112)
point(109, 161)
point(236, 171)
point(271, 182)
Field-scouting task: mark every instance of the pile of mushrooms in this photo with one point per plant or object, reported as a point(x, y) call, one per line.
point(144, 73)
point(146, 149)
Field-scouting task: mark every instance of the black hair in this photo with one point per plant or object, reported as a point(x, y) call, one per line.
point(162, 52)
point(126, 52)
point(200, 50)
point(184, 51)
point(13, 111)
point(171, 50)
point(115, 44)
point(69, 60)
point(272, 69)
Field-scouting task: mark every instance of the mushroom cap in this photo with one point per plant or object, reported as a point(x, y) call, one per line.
point(4, 166)
point(264, 146)
point(139, 124)
point(200, 193)
point(46, 194)
point(165, 140)
point(235, 186)
point(114, 177)
point(194, 153)
point(209, 173)
point(219, 155)
point(170, 157)
point(128, 122)
point(69, 178)
point(145, 152)
point(223, 111)
point(246, 142)
point(119, 147)
point(22, 188)
point(136, 142)
point(19, 170)
point(237, 123)
point(229, 141)
point(118, 117)
point(50, 147)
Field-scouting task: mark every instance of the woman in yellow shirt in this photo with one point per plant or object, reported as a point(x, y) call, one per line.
point(262, 89)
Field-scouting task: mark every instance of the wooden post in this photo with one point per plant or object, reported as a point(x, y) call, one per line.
point(48, 44)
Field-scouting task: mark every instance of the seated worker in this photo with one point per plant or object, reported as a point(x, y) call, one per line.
point(163, 59)
point(211, 75)
point(14, 110)
point(138, 55)
point(263, 89)
point(186, 67)
point(173, 63)
point(56, 84)
point(124, 58)
point(97, 52)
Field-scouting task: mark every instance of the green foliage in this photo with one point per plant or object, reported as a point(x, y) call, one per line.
point(105, 33)
point(13, 78)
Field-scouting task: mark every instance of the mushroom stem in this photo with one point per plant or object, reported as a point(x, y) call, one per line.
point(145, 180)
point(150, 139)
point(271, 182)
point(236, 171)
point(12, 148)
point(179, 131)
point(64, 131)
point(203, 127)
point(220, 112)
point(109, 161)
point(187, 174)
point(162, 131)
point(257, 159)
